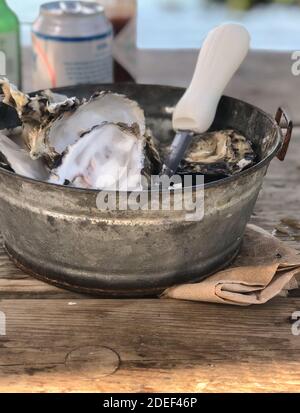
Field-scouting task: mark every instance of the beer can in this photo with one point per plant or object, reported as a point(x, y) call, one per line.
point(72, 44)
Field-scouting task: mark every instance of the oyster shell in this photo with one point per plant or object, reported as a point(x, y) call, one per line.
point(108, 157)
point(16, 135)
point(53, 139)
point(19, 160)
point(218, 153)
point(53, 122)
point(101, 143)
point(38, 109)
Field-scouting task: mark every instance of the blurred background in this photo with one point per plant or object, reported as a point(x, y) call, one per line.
point(158, 41)
point(183, 23)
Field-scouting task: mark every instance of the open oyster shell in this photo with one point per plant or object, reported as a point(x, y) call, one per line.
point(36, 112)
point(109, 157)
point(38, 109)
point(53, 122)
point(82, 142)
point(52, 140)
point(101, 143)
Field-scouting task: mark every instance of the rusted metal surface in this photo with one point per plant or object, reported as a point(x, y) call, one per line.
point(288, 125)
point(58, 233)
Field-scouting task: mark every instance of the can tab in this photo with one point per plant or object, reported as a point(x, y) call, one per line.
point(70, 6)
point(78, 7)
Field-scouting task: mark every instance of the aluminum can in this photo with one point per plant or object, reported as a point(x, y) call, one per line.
point(72, 44)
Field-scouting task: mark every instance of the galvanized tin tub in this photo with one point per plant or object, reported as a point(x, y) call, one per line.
point(59, 235)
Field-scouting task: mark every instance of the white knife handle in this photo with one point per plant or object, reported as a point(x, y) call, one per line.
point(221, 55)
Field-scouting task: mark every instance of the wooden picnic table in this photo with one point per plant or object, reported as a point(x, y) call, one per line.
point(61, 341)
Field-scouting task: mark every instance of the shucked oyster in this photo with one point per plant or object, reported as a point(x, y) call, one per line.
point(218, 153)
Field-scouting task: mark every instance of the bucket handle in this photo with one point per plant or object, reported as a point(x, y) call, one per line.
point(284, 123)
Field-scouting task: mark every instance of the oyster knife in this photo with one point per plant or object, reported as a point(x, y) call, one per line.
point(222, 53)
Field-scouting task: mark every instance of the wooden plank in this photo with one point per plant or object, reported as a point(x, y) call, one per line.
point(129, 345)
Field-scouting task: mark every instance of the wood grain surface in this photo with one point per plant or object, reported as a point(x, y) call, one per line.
point(150, 345)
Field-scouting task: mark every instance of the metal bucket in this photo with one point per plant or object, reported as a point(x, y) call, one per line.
point(57, 233)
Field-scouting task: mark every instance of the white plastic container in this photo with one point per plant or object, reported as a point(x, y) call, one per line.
point(72, 44)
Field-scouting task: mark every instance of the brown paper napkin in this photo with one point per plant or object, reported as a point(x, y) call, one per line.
point(265, 268)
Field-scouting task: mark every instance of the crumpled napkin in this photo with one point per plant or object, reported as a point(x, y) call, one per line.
point(265, 268)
